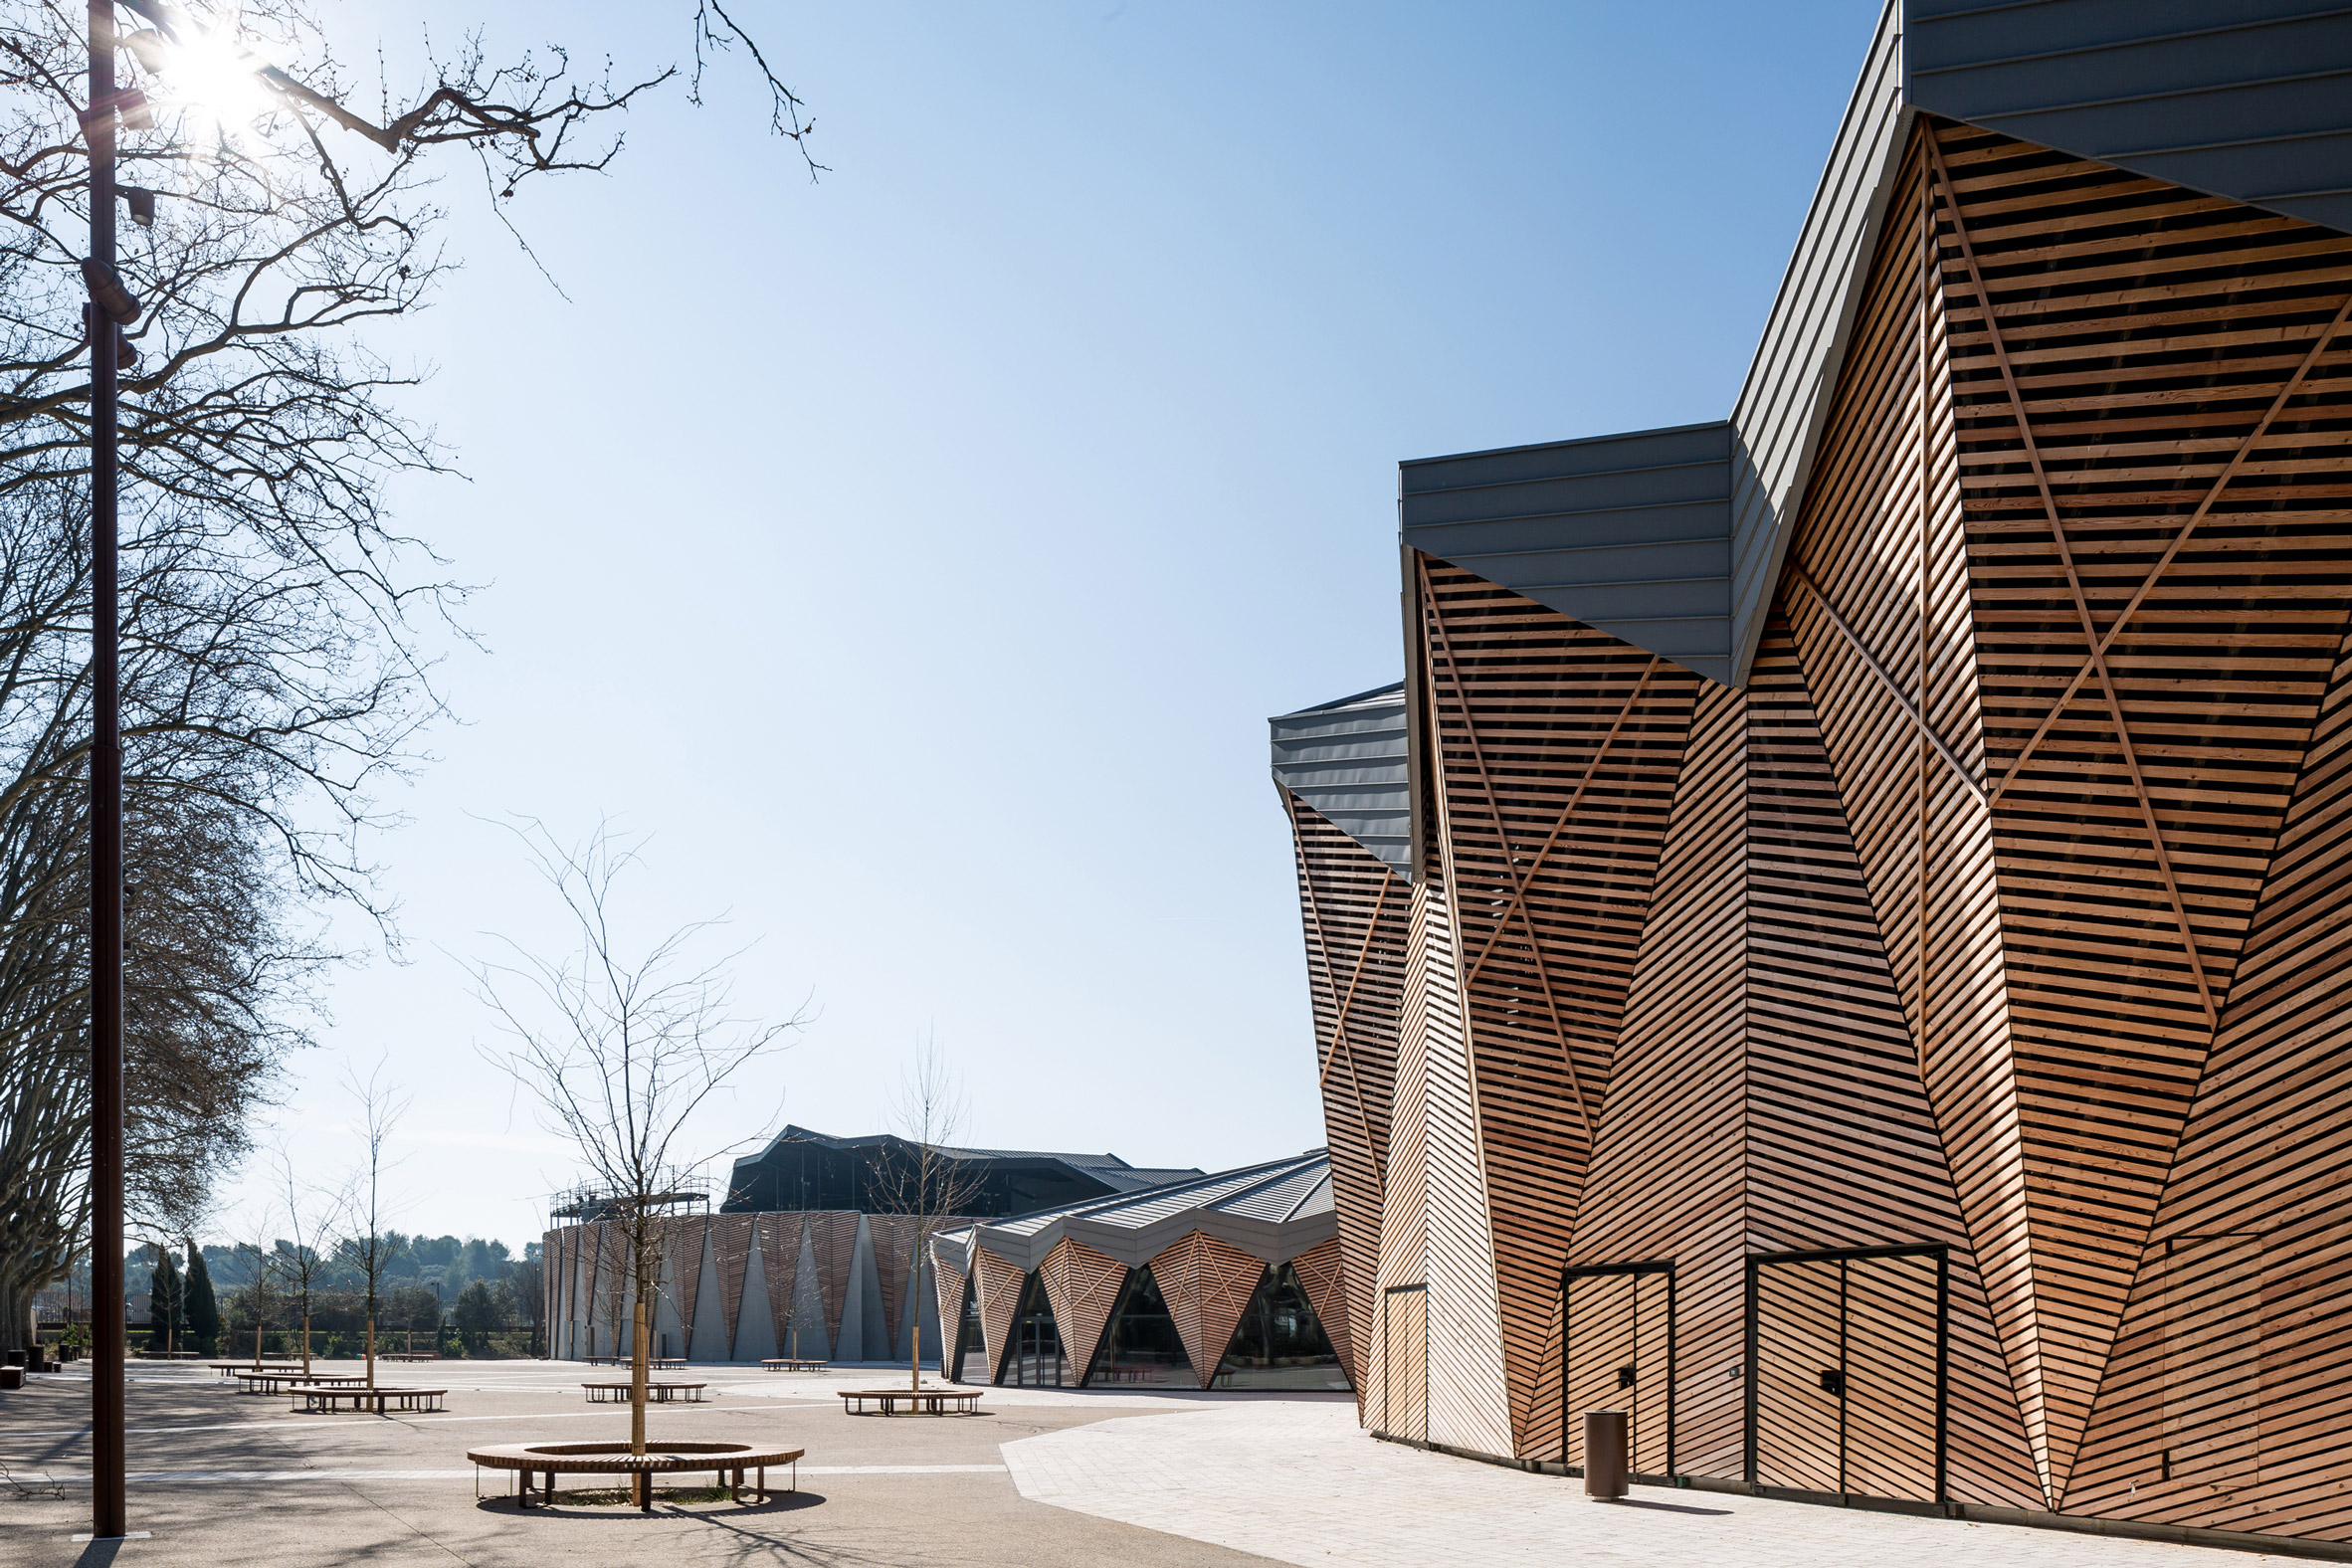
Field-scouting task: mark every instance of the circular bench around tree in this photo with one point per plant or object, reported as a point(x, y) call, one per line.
point(727, 1461)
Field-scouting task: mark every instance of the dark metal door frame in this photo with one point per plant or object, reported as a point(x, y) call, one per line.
point(1757, 1263)
point(1569, 1277)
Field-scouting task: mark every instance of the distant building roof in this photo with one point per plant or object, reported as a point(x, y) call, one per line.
point(1043, 1176)
point(1274, 1210)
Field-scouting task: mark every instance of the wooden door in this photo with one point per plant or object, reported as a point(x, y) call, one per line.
point(1848, 1372)
point(1617, 1339)
point(1798, 1435)
point(1405, 1363)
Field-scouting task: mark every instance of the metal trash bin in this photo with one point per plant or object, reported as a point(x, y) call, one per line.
point(1605, 1466)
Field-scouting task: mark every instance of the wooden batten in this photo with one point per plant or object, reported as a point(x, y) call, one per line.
point(1084, 1286)
point(1207, 1284)
point(1323, 1272)
point(1000, 1299)
point(833, 1244)
point(779, 1261)
point(731, 1249)
point(1358, 917)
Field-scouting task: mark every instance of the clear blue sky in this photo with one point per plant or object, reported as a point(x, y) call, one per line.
point(916, 555)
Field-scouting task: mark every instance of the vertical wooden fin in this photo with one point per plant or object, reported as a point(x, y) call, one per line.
point(893, 1237)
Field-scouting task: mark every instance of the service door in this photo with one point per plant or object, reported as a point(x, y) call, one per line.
point(1403, 1363)
point(1845, 1351)
point(1617, 1349)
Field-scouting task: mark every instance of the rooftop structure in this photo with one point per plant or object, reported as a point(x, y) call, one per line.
point(801, 1170)
point(1227, 1281)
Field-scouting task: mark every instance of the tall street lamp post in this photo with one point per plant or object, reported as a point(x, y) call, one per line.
point(110, 309)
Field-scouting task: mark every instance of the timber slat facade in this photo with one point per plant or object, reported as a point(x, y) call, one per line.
point(1922, 1070)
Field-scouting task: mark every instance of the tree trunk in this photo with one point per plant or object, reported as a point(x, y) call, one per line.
point(914, 1363)
point(371, 1342)
point(305, 1339)
point(640, 1322)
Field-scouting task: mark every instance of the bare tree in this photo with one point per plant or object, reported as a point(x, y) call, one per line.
point(926, 1181)
point(620, 1046)
point(272, 674)
point(304, 1267)
point(365, 1244)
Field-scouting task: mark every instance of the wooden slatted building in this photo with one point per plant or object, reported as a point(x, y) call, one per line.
point(1839, 943)
point(1227, 1281)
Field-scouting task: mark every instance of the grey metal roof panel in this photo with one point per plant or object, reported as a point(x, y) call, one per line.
point(1273, 1211)
point(1630, 534)
point(1784, 402)
point(1347, 761)
point(2248, 99)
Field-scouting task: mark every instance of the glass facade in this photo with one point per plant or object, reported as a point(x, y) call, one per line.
point(1280, 1342)
point(971, 1346)
point(1036, 1357)
point(1142, 1345)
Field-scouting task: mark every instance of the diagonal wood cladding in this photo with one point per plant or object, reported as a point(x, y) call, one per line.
point(1555, 748)
point(1843, 1147)
point(1877, 599)
point(1000, 1298)
point(1084, 1286)
point(779, 1261)
point(684, 1242)
point(1668, 1174)
point(1322, 1274)
point(2150, 425)
point(893, 1237)
point(1358, 917)
point(1404, 1209)
point(947, 1281)
point(2236, 1423)
point(1207, 1284)
point(731, 1249)
point(833, 1244)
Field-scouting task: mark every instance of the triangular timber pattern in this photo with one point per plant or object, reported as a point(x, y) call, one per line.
point(2158, 591)
point(2230, 1391)
point(779, 1263)
point(1668, 1166)
point(1000, 1298)
point(1322, 1274)
point(1084, 1286)
point(1207, 1284)
point(1358, 924)
point(1843, 1145)
point(893, 1237)
point(614, 1270)
point(948, 1281)
point(1403, 1213)
point(731, 1251)
point(833, 1241)
point(684, 1240)
point(1557, 747)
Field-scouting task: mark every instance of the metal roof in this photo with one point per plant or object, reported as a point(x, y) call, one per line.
point(1627, 533)
point(1346, 760)
point(2248, 99)
point(1274, 1212)
point(1108, 1169)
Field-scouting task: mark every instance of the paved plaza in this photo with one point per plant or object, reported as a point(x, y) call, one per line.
point(1046, 1478)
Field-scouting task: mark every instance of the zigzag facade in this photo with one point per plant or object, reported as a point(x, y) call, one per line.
point(1863, 989)
point(830, 1284)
